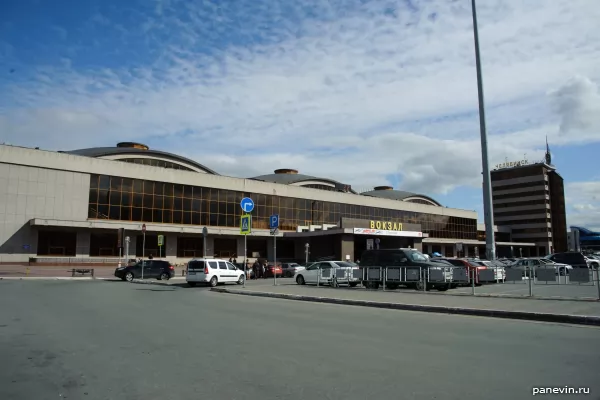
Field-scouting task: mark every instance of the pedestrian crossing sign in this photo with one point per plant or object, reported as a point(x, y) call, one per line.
point(246, 224)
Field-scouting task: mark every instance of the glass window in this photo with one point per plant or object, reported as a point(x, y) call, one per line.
point(222, 265)
point(196, 265)
point(231, 267)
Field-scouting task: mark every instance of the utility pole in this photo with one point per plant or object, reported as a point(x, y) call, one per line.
point(488, 208)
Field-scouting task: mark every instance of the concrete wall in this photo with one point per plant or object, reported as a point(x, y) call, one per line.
point(28, 192)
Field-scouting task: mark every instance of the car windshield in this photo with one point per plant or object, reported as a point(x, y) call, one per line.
point(344, 264)
point(417, 256)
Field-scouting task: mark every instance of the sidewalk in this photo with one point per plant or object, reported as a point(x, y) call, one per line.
point(577, 312)
point(19, 271)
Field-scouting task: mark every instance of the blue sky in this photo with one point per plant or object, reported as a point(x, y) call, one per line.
point(374, 92)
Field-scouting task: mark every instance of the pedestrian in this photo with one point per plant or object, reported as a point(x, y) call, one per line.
point(150, 257)
point(263, 268)
point(257, 269)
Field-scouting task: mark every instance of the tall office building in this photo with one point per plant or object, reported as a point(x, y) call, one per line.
point(529, 198)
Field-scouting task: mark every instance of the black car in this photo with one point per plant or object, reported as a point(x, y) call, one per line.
point(572, 258)
point(408, 263)
point(153, 269)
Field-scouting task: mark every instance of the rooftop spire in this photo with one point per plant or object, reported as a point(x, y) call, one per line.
point(548, 155)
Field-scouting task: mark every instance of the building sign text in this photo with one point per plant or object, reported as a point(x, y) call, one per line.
point(389, 226)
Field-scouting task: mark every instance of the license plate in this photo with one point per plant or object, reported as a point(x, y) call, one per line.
point(191, 273)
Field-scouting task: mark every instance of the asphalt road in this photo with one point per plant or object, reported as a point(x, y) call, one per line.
point(114, 340)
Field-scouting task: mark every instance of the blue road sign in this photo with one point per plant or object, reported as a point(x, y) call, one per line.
point(274, 221)
point(246, 224)
point(247, 204)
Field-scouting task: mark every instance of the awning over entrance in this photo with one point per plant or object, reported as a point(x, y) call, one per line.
point(379, 232)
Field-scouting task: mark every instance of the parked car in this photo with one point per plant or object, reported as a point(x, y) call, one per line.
point(212, 272)
point(470, 265)
point(497, 267)
point(152, 269)
point(310, 273)
point(273, 269)
point(408, 262)
point(572, 258)
point(290, 269)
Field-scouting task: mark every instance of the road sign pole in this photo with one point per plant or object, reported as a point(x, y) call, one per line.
point(245, 261)
point(143, 252)
point(275, 259)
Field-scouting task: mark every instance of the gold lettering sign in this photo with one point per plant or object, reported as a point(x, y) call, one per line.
point(386, 226)
point(511, 164)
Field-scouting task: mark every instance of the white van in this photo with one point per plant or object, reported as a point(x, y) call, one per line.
point(213, 272)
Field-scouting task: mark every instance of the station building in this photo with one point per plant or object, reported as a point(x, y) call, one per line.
point(58, 207)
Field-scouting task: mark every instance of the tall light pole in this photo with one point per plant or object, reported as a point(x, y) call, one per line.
point(488, 208)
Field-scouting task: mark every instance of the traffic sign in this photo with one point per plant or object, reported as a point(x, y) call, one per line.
point(274, 231)
point(246, 224)
point(274, 221)
point(161, 240)
point(205, 231)
point(247, 204)
point(144, 228)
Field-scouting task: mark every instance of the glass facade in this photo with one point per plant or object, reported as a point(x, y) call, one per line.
point(128, 199)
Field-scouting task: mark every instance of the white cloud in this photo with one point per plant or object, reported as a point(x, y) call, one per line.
point(358, 93)
point(583, 204)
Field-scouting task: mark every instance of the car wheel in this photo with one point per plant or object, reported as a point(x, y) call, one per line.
point(300, 280)
point(213, 281)
point(419, 286)
point(353, 284)
point(371, 285)
point(129, 277)
point(443, 288)
point(191, 284)
point(164, 276)
point(240, 281)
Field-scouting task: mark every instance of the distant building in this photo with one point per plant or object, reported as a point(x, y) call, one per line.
point(583, 239)
point(529, 198)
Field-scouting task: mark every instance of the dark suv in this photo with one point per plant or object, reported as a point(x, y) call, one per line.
point(572, 258)
point(153, 269)
point(407, 263)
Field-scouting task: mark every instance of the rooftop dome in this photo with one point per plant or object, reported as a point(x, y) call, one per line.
point(138, 153)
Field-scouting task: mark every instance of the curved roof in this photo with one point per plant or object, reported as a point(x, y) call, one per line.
point(586, 234)
point(399, 195)
point(119, 153)
point(292, 177)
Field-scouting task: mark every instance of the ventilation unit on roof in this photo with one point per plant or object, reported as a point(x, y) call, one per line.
point(286, 171)
point(383, 188)
point(133, 145)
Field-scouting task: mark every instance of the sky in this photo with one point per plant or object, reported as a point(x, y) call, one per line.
point(365, 92)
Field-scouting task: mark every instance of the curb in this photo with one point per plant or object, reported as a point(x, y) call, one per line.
point(491, 295)
point(48, 278)
point(71, 278)
point(485, 295)
point(518, 315)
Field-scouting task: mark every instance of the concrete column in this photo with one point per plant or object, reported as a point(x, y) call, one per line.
point(83, 243)
point(428, 248)
point(210, 247)
point(347, 247)
point(466, 250)
point(169, 251)
point(418, 244)
point(270, 252)
point(240, 248)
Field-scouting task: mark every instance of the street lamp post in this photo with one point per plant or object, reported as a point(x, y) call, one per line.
point(488, 210)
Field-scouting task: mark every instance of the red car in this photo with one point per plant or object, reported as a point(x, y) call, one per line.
point(469, 265)
point(273, 269)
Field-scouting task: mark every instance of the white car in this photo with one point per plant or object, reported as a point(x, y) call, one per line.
point(212, 272)
point(311, 273)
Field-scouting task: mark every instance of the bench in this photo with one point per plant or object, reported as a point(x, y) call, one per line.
point(81, 271)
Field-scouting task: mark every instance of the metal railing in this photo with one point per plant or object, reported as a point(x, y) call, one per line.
point(73, 260)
